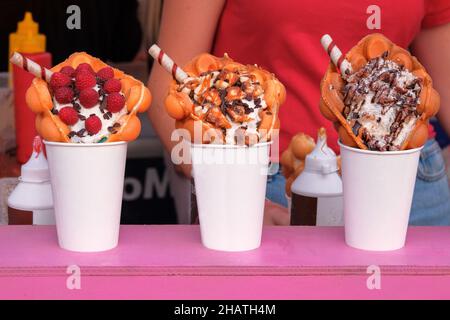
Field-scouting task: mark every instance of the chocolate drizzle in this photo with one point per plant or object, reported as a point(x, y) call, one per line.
point(107, 115)
point(356, 128)
point(114, 128)
point(76, 106)
point(81, 133)
point(394, 93)
point(224, 98)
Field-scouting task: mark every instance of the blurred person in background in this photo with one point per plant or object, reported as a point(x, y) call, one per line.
point(283, 37)
point(110, 30)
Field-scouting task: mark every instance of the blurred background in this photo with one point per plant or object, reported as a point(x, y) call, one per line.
point(118, 32)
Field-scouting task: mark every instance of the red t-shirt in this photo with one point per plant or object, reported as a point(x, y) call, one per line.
point(283, 36)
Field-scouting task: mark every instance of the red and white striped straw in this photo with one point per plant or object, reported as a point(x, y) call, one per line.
point(336, 55)
point(30, 66)
point(167, 63)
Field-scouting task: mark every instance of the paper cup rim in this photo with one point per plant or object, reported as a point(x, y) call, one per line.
point(227, 146)
point(379, 153)
point(81, 145)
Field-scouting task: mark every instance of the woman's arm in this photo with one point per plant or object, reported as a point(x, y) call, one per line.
point(432, 48)
point(187, 29)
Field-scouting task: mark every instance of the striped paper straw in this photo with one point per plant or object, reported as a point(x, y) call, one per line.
point(30, 66)
point(167, 63)
point(336, 55)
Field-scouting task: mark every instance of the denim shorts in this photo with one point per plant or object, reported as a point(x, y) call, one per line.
point(431, 200)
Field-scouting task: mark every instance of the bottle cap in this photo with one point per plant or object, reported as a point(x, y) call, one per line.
point(34, 189)
point(36, 168)
point(320, 177)
point(27, 25)
point(31, 41)
point(322, 159)
point(27, 38)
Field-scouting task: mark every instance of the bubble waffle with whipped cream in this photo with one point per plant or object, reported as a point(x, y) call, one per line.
point(238, 103)
point(86, 101)
point(385, 103)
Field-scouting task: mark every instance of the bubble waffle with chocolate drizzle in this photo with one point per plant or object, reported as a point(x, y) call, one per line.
point(385, 104)
point(238, 103)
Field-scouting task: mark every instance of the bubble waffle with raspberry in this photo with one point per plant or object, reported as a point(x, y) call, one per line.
point(385, 103)
point(238, 103)
point(86, 101)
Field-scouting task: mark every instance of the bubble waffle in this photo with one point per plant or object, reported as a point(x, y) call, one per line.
point(385, 104)
point(88, 108)
point(235, 103)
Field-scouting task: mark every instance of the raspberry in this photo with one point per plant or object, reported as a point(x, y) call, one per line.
point(115, 102)
point(85, 80)
point(93, 124)
point(68, 115)
point(105, 73)
point(88, 98)
point(82, 67)
point(68, 71)
point(59, 80)
point(112, 85)
point(63, 94)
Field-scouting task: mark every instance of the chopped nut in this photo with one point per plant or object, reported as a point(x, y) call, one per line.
point(235, 93)
point(217, 118)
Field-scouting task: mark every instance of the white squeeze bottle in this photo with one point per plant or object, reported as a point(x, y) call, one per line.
point(34, 191)
point(317, 191)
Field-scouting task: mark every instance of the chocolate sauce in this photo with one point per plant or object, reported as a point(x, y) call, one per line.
point(303, 211)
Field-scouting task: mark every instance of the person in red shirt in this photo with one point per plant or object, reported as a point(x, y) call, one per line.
point(283, 37)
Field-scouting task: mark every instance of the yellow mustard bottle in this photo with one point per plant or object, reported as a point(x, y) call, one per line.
point(26, 39)
point(31, 44)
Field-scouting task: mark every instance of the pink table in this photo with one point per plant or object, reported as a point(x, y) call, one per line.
point(169, 262)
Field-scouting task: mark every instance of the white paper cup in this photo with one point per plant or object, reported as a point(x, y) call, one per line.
point(230, 184)
point(87, 185)
point(378, 190)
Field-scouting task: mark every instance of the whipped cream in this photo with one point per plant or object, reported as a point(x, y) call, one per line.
point(251, 126)
point(381, 102)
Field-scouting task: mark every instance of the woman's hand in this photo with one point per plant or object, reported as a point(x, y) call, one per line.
point(184, 169)
point(187, 29)
point(276, 215)
point(432, 48)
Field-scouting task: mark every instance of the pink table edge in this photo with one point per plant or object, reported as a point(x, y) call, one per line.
point(169, 262)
